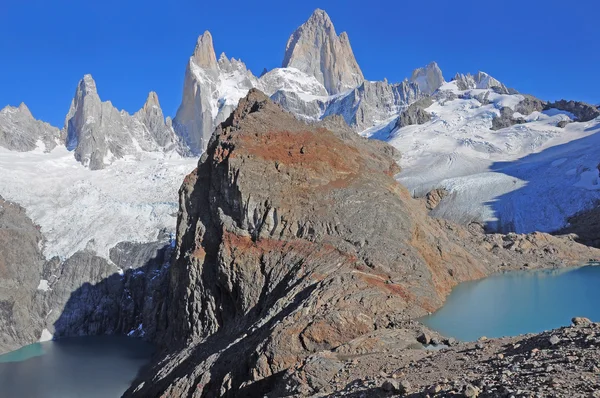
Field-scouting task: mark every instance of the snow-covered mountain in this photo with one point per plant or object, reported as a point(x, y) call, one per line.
point(98, 133)
point(470, 136)
point(508, 161)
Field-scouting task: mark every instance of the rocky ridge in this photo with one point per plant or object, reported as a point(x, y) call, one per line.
point(20, 131)
point(295, 240)
point(99, 134)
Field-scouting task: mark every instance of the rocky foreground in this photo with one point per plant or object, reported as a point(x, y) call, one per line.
point(559, 363)
point(298, 253)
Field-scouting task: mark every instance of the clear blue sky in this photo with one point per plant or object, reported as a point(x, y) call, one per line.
point(546, 48)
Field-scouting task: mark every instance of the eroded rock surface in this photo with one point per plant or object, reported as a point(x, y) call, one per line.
point(294, 240)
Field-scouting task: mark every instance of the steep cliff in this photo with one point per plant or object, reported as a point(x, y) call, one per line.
point(295, 239)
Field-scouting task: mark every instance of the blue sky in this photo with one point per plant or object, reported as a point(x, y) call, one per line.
point(546, 48)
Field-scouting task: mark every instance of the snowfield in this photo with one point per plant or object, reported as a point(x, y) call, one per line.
point(77, 208)
point(524, 178)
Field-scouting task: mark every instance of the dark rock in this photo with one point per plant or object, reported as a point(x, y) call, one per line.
point(583, 112)
point(415, 113)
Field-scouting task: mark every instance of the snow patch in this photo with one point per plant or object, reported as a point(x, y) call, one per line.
point(46, 336)
point(43, 285)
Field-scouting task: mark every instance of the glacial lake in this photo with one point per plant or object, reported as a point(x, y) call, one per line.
point(519, 302)
point(90, 367)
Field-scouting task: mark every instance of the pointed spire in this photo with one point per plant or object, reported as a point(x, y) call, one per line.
point(152, 100)
point(204, 53)
point(24, 109)
point(315, 48)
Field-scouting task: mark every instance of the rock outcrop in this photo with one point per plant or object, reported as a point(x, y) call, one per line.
point(428, 78)
point(20, 131)
point(317, 50)
point(211, 90)
point(99, 134)
point(415, 113)
point(582, 111)
point(295, 239)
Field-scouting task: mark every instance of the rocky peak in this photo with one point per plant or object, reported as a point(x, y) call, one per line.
point(482, 81)
point(20, 131)
point(316, 49)
point(25, 110)
point(204, 54)
point(428, 78)
point(98, 133)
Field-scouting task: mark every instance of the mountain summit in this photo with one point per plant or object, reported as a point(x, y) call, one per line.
point(316, 49)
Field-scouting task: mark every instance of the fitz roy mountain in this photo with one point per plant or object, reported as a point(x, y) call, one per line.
point(280, 224)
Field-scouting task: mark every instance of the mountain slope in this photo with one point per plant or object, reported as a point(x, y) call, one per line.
point(295, 241)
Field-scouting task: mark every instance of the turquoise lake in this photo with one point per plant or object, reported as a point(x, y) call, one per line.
point(90, 367)
point(519, 302)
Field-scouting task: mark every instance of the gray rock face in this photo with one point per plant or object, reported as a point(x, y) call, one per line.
point(316, 49)
point(415, 113)
point(21, 265)
point(19, 131)
point(373, 102)
point(428, 78)
point(583, 112)
point(480, 81)
point(529, 105)
point(98, 133)
point(211, 91)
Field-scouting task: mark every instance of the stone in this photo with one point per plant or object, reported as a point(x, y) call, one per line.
point(424, 338)
point(554, 340)
point(428, 78)
point(470, 391)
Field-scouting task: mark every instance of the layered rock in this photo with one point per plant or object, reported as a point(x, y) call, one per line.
point(295, 239)
point(211, 90)
point(99, 134)
point(20, 131)
point(428, 78)
point(317, 50)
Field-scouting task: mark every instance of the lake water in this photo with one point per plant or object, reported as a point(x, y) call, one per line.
point(519, 302)
point(89, 367)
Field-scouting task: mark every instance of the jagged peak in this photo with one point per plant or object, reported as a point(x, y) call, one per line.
point(428, 78)
point(204, 53)
point(88, 85)
point(320, 18)
point(152, 100)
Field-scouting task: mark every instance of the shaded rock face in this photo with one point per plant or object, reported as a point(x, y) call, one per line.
point(21, 265)
point(80, 296)
point(20, 131)
point(316, 49)
point(428, 78)
point(585, 226)
point(206, 100)
point(415, 113)
point(529, 105)
point(582, 111)
point(99, 134)
point(295, 239)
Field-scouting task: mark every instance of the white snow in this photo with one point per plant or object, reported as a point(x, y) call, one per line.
point(43, 285)
point(46, 336)
point(78, 208)
point(527, 177)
